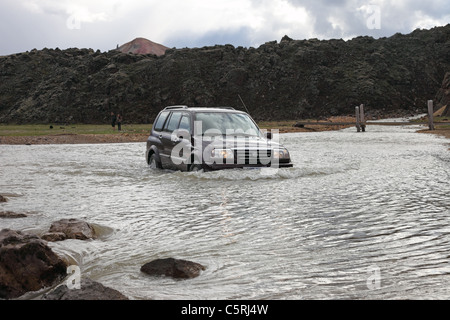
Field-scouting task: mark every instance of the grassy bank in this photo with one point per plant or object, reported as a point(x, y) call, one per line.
point(442, 128)
point(45, 130)
point(33, 130)
point(103, 133)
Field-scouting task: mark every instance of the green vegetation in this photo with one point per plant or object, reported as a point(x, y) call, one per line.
point(442, 125)
point(444, 122)
point(42, 130)
point(18, 130)
point(276, 124)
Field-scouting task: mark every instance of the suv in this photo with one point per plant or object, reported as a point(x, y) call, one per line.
point(192, 139)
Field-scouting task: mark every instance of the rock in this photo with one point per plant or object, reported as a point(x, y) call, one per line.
point(90, 290)
point(54, 236)
point(443, 96)
point(27, 264)
point(286, 39)
point(10, 214)
point(2, 198)
point(69, 229)
point(173, 268)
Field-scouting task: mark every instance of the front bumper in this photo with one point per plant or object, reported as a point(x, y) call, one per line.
point(222, 166)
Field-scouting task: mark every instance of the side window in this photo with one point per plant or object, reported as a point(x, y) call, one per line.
point(173, 122)
point(160, 121)
point(185, 123)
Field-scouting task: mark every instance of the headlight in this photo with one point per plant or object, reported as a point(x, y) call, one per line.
point(281, 154)
point(222, 154)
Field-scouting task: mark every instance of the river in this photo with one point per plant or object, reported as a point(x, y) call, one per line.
point(359, 216)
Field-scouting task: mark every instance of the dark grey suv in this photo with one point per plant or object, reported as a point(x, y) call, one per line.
point(189, 139)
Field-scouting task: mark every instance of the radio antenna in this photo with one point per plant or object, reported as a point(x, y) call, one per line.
point(243, 104)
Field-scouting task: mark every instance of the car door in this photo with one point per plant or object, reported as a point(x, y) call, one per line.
point(181, 151)
point(168, 140)
point(154, 141)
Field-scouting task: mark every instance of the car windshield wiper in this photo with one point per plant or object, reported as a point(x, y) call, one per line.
point(230, 135)
point(243, 134)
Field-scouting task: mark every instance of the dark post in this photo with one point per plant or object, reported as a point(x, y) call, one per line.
point(362, 119)
point(358, 127)
point(430, 115)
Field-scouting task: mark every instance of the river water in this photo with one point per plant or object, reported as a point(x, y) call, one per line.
point(360, 216)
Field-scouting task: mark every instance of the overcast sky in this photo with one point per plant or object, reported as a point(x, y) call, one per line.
point(103, 24)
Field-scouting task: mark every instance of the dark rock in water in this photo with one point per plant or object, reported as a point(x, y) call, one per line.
point(27, 264)
point(54, 236)
point(171, 267)
point(2, 199)
point(69, 229)
point(10, 214)
point(89, 290)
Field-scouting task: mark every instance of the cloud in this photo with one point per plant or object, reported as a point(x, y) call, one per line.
point(81, 11)
point(102, 24)
point(350, 18)
point(282, 18)
point(194, 20)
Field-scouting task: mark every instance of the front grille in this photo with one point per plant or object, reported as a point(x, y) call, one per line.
point(255, 157)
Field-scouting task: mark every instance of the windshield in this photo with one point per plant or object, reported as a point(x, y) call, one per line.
point(226, 123)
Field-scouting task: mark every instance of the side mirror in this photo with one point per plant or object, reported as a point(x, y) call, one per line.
point(268, 135)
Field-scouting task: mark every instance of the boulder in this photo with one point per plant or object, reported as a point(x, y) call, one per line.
point(69, 229)
point(89, 290)
point(54, 236)
point(27, 264)
point(171, 267)
point(10, 214)
point(443, 96)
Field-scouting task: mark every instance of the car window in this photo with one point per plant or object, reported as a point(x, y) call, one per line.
point(173, 122)
point(224, 123)
point(185, 123)
point(160, 121)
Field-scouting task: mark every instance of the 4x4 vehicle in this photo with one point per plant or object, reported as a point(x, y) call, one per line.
point(189, 139)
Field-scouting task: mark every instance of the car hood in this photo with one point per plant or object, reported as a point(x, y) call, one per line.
point(238, 142)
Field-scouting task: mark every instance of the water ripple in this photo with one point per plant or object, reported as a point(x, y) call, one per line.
point(352, 204)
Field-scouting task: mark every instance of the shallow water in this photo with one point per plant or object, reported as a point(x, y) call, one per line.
point(360, 216)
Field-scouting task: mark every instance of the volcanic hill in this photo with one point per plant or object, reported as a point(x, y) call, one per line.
point(143, 46)
point(286, 80)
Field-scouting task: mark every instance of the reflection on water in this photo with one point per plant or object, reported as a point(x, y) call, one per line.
point(360, 216)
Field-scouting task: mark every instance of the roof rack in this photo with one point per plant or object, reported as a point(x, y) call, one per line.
point(175, 107)
point(186, 107)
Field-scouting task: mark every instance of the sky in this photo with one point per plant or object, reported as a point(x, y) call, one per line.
point(103, 24)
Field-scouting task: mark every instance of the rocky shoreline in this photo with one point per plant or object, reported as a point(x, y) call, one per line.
point(29, 266)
